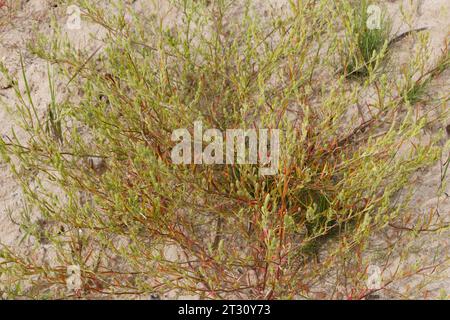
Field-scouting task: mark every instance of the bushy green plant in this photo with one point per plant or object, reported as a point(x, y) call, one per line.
point(99, 169)
point(365, 45)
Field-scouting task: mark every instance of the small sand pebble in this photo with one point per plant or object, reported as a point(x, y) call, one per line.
point(97, 164)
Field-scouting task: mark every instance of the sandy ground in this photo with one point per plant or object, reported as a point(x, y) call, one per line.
point(19, 27)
